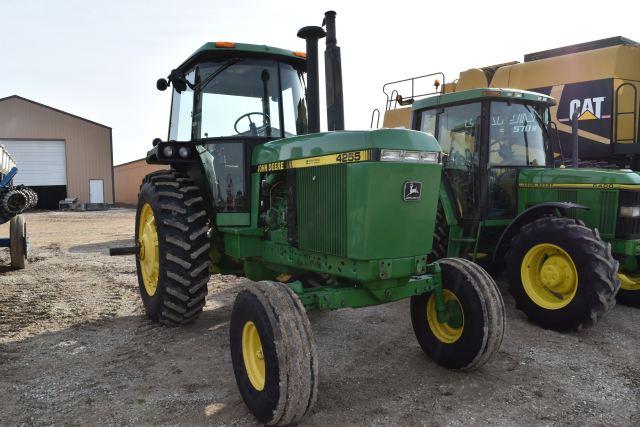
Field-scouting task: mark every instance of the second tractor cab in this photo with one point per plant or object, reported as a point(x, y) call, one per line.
point(313, 220)
point(562, 233)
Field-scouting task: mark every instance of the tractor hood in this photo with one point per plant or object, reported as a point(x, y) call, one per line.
point(320, 144)
point(597, 179)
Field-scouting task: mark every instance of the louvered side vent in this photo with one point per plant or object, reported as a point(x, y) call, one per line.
point(321, 195)
point(568, 196)
point(608, 212)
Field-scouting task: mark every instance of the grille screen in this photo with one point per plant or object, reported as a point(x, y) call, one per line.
point(628, 228)
point(321, 198)
point(608, 212)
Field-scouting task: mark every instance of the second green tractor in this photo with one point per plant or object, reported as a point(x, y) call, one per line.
point(568, 238)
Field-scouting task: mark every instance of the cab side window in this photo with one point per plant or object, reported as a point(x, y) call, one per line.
point(458, 128)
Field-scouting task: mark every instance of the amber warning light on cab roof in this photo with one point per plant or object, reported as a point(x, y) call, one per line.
point(228, 45)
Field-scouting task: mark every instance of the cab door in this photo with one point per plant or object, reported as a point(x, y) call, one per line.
point(457, 128)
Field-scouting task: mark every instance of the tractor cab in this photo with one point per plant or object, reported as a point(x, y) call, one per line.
point(228, 98)
point(487, 136)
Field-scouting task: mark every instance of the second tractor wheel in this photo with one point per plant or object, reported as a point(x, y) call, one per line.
point(475, 313)
point(561, 273)
point(173, 260)
point(18, 242)
point(273, 353)
point(629, 293)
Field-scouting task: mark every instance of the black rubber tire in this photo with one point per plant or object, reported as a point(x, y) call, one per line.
point(440, 237)
point(627, 297)
point(290, 355)
point(18, 242)
point(483, 312)
point(182, 227)
point(596, 268)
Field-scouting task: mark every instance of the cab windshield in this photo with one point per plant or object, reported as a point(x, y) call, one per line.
point(517, 135)
point(240, 97)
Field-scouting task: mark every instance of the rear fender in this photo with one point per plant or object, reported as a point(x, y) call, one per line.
point(525, 217)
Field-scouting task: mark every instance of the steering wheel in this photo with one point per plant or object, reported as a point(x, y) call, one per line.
point(252, 126)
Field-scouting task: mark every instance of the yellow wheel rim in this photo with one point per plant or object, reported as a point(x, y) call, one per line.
point(629, 282)
point(443, 331)
point(253, 356)
point(549, 276)
point(148, 255)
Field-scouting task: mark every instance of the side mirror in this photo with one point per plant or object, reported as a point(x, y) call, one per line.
point(162, 84)
point(178, 81)
point(156, 141)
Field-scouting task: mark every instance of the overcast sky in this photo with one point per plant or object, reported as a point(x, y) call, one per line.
point(100, 60)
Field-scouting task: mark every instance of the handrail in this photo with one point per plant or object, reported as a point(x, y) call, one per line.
point(377, 121)
point(392, 101)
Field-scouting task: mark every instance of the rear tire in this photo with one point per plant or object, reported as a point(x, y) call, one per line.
point(470, 345)
point(561, 274)
point(273, 352)
point(171, 229)
point(18, 242)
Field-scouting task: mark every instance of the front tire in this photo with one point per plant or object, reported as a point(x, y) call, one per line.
point(273, 352)
point(171, 235)
point(474, 331)
point(561, 274)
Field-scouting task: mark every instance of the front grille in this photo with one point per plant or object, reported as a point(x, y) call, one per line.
point(608, 212)
point(628, 228)
point(321, 195)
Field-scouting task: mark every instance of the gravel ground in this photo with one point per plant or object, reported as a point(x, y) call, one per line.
point(76, 348)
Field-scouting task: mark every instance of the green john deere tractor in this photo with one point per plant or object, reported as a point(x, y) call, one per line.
point(313, 220)
point(562, 233)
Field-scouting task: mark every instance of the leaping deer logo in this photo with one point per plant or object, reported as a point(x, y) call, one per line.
point(412, 190)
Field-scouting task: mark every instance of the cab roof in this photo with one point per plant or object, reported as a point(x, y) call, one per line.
point(481, 94)
point(213, 50)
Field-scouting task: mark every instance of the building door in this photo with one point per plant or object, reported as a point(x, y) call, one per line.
point(42, 166)
point(96, 190)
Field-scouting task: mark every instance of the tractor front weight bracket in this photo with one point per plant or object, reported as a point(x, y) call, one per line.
point(371, 293)
point(441, 309)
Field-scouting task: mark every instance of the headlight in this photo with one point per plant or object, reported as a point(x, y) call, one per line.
point(630, 211)
point(409, 156)
point(391, 155)
point(184, 152)
point(430, 156)
point(168, 151)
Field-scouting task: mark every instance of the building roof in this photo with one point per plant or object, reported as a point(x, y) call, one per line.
point(54, 109)
point(143, 159)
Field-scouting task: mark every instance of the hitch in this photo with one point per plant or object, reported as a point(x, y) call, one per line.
point(127, 250)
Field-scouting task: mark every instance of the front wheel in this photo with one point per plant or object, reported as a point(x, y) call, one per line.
point(475, 313)
point(561, 274)
point(273, 353)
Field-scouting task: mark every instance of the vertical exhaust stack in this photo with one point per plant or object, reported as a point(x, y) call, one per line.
point(312, 34)
point(333, 74)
